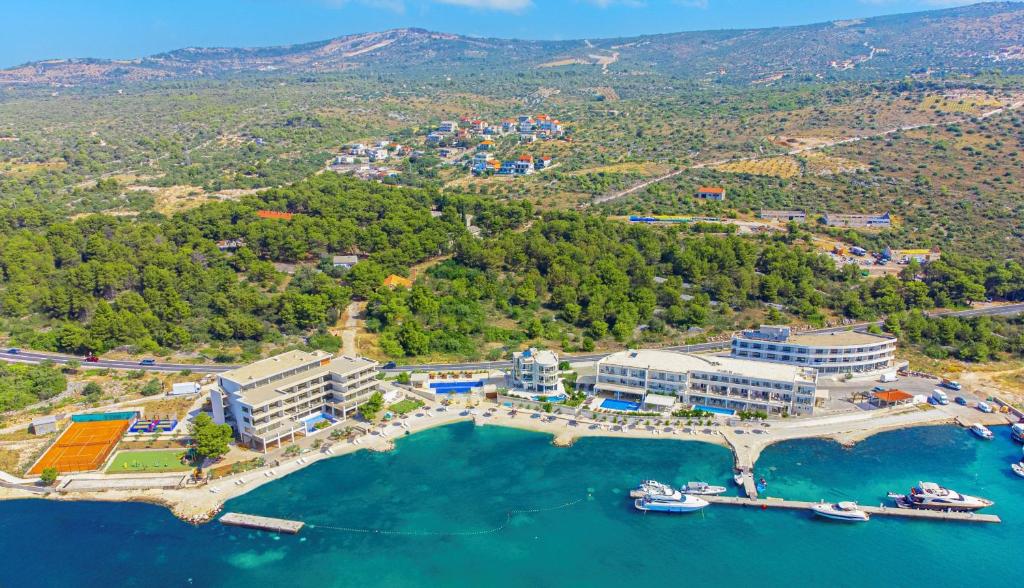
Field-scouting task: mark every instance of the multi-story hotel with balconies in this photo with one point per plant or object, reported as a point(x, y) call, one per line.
point(841, 352)
point(536, 371)
point(656, 380)
point(283, 396)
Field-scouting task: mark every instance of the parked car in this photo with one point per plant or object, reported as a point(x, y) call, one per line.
point(879, 389)
point(390, 365)
point(148, 361)
point(14, 351)
point(961, 401)
point(92, 359)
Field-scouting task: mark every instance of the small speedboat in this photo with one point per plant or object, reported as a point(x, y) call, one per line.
point(1017, 432)
point(738, 478)
point(982, 432)
point(1018, 468)
point(984, 407)
point(655, 490)
point(684, 504)
point(701, 488)
point(841, 511)
point(931, 496)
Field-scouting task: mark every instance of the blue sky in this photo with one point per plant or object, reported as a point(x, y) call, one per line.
point(42, 29)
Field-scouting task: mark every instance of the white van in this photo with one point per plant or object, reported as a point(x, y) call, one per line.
point(890, 377)
point(939, 397)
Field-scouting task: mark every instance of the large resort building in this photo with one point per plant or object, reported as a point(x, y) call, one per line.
point(657, 380)
point(275, 399)
point(844, 352)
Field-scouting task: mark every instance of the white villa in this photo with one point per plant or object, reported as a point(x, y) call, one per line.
point(832, 353)
point(535, 371)
point(658, 380)
point(276, 398)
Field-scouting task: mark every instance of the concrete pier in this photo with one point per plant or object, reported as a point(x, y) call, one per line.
point(910, 513)
point(233, 519)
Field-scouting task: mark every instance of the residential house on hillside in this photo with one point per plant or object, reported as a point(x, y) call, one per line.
point(345, 261)
point(711, 193)
point(524, 165)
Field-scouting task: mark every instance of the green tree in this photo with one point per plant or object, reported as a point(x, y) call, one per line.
point(211, 440)
point(372, 407)
point(48, 476)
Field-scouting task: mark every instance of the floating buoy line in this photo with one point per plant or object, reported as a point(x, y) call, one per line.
point(505, 523)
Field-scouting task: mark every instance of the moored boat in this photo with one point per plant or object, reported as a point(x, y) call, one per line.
point(684, 504)
point(1018, 468)
point(701, 488)
point(841, 511)
point(1017, 432)
point(982, 432)
point(738, 478)
point(931, 496)
point(655, 490)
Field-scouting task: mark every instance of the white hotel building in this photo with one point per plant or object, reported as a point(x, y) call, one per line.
point(832, 353)
point(277, 398)
point(536, 371)
point(656, 380)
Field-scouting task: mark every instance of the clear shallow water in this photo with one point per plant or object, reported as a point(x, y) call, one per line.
point(462, 479)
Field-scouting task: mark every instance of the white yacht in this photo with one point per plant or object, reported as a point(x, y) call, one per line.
point(982, 431)
point(841, 511)
point(684, 504)
point(929, 495)
point(1018, 468)
point(701, 488)
point(655, 490)
point(1017, 432)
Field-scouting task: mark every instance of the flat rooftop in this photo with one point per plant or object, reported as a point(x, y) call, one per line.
point(278, 364)
point(674, 361)
point(840, 338)
point(269, 391)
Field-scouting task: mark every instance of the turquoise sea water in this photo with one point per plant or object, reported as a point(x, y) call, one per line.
point(462, 479)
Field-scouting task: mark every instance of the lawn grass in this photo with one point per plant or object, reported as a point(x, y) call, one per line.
point(148, 461)
point(404, 407)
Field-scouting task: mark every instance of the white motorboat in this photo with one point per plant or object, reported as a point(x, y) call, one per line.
point(1017, 432)
point(841, 511)
point(738, 478)
point(684, 504)
point(655, 490)
point(701, 489)
point(981, 431)
point(931, 496)
point(1018, 468)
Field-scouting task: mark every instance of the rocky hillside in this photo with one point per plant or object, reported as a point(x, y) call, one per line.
point(957, 40)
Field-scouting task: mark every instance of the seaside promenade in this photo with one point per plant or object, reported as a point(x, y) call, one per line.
point(200, 503)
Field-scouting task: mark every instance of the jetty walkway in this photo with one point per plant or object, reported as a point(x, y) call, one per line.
point(234, 519)
point(910, 513)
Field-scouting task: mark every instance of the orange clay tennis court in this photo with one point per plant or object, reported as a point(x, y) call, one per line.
point(83, 447)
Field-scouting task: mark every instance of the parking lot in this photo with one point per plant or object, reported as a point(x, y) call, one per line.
point(842, 394)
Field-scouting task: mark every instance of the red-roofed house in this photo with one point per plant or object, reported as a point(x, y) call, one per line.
point(524, 165)
point(711, 193)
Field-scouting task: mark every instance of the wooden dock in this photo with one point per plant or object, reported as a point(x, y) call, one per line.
point(910, 513)
point(234, 519)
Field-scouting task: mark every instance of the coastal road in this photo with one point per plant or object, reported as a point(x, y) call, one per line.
point(34, 357)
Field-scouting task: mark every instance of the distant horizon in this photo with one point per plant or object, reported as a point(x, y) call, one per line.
point(119, 30)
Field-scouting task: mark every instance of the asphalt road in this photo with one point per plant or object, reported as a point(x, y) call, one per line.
point(34, 357)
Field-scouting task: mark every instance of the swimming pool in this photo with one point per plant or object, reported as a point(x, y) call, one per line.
point(312, 421)
point(612, 404)
point(455, 387)
point(715, 409)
